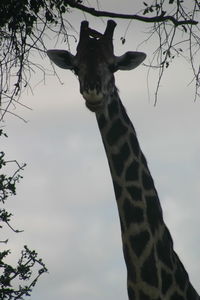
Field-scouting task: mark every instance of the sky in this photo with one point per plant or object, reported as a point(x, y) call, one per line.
point(65, 202)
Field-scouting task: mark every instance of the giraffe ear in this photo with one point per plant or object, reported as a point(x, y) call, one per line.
point(61, 58)
point(129, 60)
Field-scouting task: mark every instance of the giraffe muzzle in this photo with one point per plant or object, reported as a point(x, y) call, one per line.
point(94, 99)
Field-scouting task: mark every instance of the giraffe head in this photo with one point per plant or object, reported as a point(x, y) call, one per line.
point(95, 64)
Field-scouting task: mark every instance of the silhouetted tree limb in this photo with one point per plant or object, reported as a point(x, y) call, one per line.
point(99, 13)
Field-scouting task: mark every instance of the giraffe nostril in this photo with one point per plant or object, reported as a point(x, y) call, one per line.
point(93, 95)
point(91, 91)
point(94, 85)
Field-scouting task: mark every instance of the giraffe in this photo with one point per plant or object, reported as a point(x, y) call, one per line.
point(154, 270)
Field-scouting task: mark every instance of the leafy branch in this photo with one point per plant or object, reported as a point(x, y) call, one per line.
point(8, 186)
point(15, 282)
point(11, 286)
point(19, 34)
point(175, 41)
point(160, 18)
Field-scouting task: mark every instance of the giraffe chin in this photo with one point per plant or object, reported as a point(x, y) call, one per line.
point(94, 107)
point(94, 100)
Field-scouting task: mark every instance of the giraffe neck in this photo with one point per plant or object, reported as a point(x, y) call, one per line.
point(153, 268)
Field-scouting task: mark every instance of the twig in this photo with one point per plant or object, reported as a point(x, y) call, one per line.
point(101, 13)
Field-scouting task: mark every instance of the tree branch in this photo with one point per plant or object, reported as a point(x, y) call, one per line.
point(99, 13)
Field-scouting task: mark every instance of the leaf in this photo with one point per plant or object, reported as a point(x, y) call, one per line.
point(146, 11)
point(184, 28)
point(123, 40)
point(157, 6)
point(151, 8)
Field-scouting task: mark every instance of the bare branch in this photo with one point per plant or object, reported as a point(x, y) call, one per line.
point(99, 13)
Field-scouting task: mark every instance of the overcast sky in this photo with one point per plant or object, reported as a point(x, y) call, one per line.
point(65, 202)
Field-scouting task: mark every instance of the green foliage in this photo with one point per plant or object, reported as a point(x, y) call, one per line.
point(151, 8)
point(22, 25)
point(8, 183)
point(16, 282)
point(27, 13)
